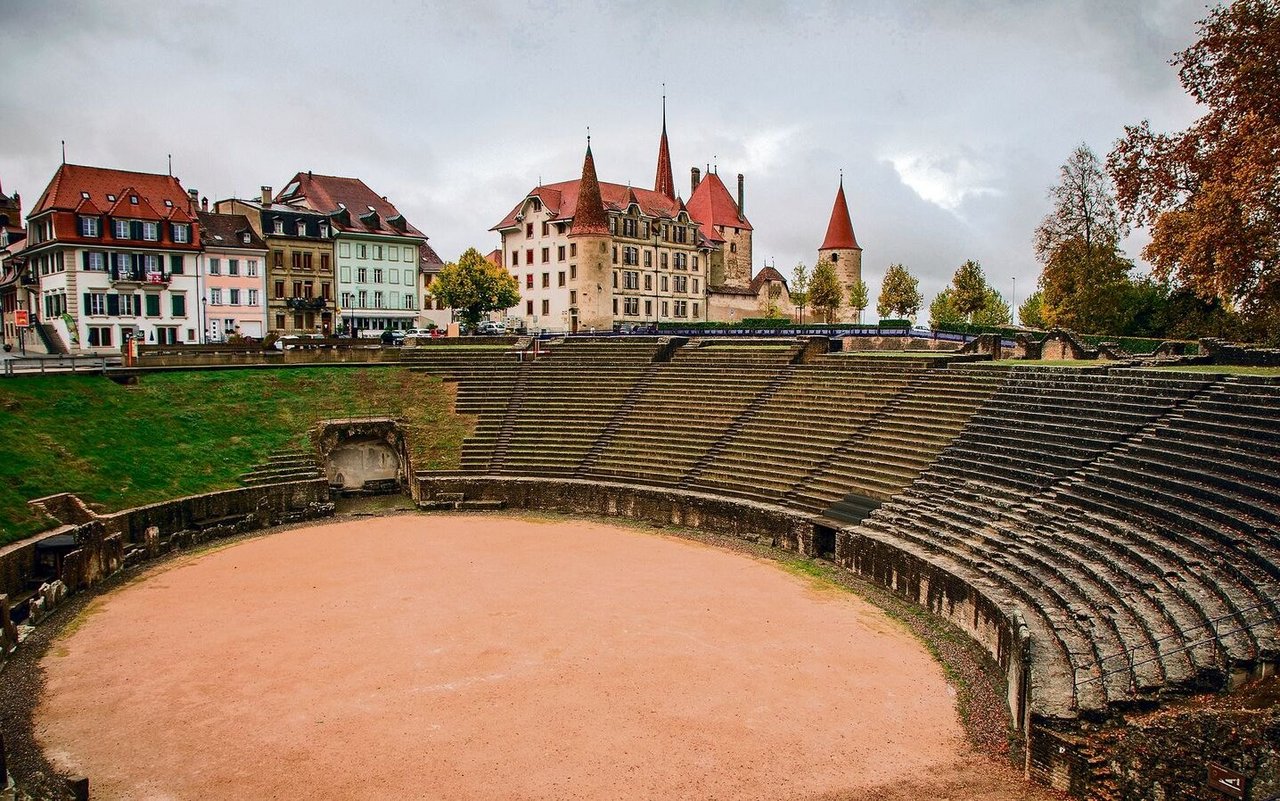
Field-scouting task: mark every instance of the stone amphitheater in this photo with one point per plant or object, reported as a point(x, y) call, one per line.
point(1108, 534)
point(1111, 535)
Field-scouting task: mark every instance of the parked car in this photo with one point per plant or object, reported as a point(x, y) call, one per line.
point(490, 328)
point(421, 333)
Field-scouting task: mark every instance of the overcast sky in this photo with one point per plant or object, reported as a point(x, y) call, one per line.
point(949, 119)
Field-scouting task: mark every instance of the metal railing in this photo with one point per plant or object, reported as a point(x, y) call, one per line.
point(37, 365)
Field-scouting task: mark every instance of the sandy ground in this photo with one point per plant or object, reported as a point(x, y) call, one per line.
point(478, 657)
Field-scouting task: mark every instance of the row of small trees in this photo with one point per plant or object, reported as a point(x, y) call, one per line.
point(822, 291)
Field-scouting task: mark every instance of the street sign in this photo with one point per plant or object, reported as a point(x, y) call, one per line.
point(22, 318)
point(1226, 781)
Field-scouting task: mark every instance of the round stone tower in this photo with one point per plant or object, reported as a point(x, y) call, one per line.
point(589, 234)
point(840, 247)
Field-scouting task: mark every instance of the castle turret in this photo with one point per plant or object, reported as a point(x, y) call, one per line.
point(840, 247)
point(589, 232)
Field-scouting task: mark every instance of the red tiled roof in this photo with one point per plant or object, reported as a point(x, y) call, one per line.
point(428, 259)
point(228, 230)
point(64, 190)
point(330, 193)
point(591, 218)
point(840, 229)
point(712, 205)
point(766, 274)
point(125, 206)
point(494, 257)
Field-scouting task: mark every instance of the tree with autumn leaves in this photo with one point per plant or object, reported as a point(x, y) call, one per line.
point(1210, 195)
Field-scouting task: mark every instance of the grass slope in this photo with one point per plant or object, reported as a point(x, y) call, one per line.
point(188, 432)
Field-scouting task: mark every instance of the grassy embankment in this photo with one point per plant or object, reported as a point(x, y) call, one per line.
point(184, 433)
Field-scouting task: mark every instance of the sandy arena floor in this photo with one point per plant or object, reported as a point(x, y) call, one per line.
point(465, 657)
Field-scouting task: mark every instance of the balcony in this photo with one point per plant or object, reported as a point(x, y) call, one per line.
point(306, 304)
point(139, 277)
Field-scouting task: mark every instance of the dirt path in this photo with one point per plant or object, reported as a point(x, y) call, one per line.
point(459, 657)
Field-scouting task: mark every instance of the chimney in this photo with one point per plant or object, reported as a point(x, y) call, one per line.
point(204, 204)
point(194, 195)
point(695, 179)
point(266, 194)
point(740, 197)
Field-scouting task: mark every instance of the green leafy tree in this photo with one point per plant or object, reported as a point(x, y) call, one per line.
point(1030, 312)
point(1086, 289)
point(994, 311)
point(899, 293)
point(970, 289)
point(859, 297)
point(800, 288)
point(475, 286)
point(1208, 194)
point(943, 313)
point(825, 294)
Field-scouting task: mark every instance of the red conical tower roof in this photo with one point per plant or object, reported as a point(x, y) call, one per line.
point(663, 183)
point(840, 229)
point(589, 218)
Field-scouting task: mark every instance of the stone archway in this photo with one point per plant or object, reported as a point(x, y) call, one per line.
point(362, 456)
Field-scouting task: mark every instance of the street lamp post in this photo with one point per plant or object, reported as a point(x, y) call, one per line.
point(1013, 307)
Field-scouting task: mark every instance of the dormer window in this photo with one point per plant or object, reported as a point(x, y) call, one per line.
point(121, 229)
point(168, 203)
point(278, 227)
point(111, 198)
point(84, 195)
point(133, 199)
point(89, 226)
point(302, 227)
point(151, 231)
point(324, 230)
point(181, 233)
point(245, 238)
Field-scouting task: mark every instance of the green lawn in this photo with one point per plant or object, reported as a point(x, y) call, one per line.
point(182, 433)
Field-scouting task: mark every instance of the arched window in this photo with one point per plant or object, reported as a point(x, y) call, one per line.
point(835, 257)
point(733, 247)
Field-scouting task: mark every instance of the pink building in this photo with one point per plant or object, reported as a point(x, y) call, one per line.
point(233, 278)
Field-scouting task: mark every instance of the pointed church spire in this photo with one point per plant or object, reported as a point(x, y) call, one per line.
point(663, 183)
point(589, 218)
point(840, 228)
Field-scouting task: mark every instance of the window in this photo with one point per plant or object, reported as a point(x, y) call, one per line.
point(665, 309)
point(130, 306)
point(152, 304)
point(301, 227)
point(278, 227)
point(306, 261)
point(682, 283)
point(324, 289)
point(122, 229)
point(528, 256)
point(615, 307)
point(573, 249)
point(324, 230)
point(362, 251)
point(546, 255)
point(662, 283)
point(515, 258)
point(277, 258)
point(560, 253)
point(377, 252)
point(528, 230)
point(344, 249)
point(296, 260)
point(279, 289)
point(528, 308)
point(175, 263)
point(560, 278)
point(347, 297)
point(573, 272)
point(233, 266)
point(648, 283)
point(648, 308)
point(95, 262)
point(377, 300)
point(253, 297)
point(546, 308)
point(695, 264)
point(179, 305)
point(630, 279)
point(631, 255)
point(297, 289)
point(377, 275)
point(234, 297)
point(682, 308)
point(151, 231)
point(528, 281)
point(573, 297)
point(695, 310)
point(215, 296)
point(215, 266)
point(408, 300)
point(648, 259)
point(393, 253)
point(546, 280)
point(363, 297)
point(308, 289)
point(279, 322)
point(664, 261)
point(546, 229)
point(89, 226)
point(629, 227)
point(631, 306)
point(151, 263)
point(99, 336)
point(362, 275)
point(96, 302)
point(695, 286)
point(324, 262)
point(408, 254)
